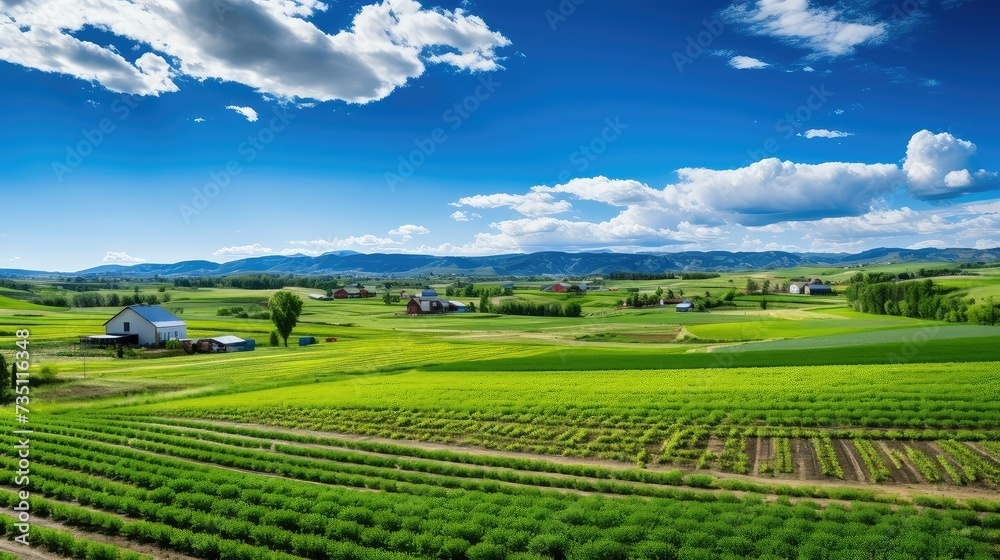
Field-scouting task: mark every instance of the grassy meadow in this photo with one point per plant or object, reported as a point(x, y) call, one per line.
point(803, 430)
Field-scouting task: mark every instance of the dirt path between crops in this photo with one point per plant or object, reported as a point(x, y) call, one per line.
point(807, 468)
point(25, 552)
point(155, 552)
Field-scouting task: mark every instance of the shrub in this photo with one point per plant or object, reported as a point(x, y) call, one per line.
point(273, 339)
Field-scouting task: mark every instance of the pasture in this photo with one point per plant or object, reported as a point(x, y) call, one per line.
point(804, 430)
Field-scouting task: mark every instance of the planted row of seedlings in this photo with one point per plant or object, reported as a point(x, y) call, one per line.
point(477, 525)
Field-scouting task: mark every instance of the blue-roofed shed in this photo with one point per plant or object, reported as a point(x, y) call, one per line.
point(684, 306)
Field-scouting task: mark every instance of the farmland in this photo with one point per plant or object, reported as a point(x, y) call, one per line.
point(804, 430)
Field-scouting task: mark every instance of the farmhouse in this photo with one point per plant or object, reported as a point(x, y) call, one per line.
point(351, 293)
point(684, 306)
point(797, 287)
point(145, 325)
point(426, 306)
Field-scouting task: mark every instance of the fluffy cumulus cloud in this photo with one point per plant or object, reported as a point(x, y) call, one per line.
point(268, 45)
point(937, 167)
point(460, 216)
point(827, 206)
point(747, 63)
point(825, 31)
point(409, 230)
point(247, 112)
point(824, 133)
point(121, 257)
point(772, 190)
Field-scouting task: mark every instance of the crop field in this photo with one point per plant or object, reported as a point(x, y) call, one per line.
point(804, 430)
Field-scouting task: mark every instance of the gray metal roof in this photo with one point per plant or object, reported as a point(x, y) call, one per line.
point(228, 339)
point(155, 314)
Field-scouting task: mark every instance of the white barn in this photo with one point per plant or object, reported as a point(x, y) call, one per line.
point(151, 323)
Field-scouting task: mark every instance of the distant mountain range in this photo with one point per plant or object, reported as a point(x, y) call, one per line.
point(533, 264)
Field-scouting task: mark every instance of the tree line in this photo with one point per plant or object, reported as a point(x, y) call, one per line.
point(871, 293)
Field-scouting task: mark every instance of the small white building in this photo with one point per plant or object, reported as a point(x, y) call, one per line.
point(797, 287)
point(151, 323)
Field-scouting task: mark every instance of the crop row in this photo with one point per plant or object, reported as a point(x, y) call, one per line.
point(974, 466)
point(734, 456)
point(783, 455)
point(926, 467)
point(622, 527)
point(63, 543)
point(187, 500)
point(876, 467)
point(827, 456)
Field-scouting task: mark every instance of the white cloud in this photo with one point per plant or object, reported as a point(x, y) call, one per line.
point(254, 250)
point(409, 230)
point(121, 257)
point(929, 244)
point(808, 69)
point(14, 259)
point(824, 31)
point(771, 190)
point(199, 120)
point(460, 216)
point(747, 63)
point(839, 112)
point(824, 133)
point(533, 204)
point(936, 166)
point(268, 45)
point(983, 244)
point(367, 242)
point(247, 112)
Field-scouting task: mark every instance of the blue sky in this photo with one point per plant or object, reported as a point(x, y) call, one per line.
point(197, 129)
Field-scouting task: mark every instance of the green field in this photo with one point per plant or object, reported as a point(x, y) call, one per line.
point(804, 430)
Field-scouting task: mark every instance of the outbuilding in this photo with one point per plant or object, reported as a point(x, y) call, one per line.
point(426, 306)
point(818, 289)
point(684, 306)
point(151, 325)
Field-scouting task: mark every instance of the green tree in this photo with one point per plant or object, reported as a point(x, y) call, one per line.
point(573, 309)
point(285, 309)
point(767, 286)
point(763, 303)
point(752, 286)
point(6, 382)
point(484, 303)
point(273, 340)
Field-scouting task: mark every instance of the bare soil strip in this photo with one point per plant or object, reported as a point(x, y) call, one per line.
point(847, 456)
